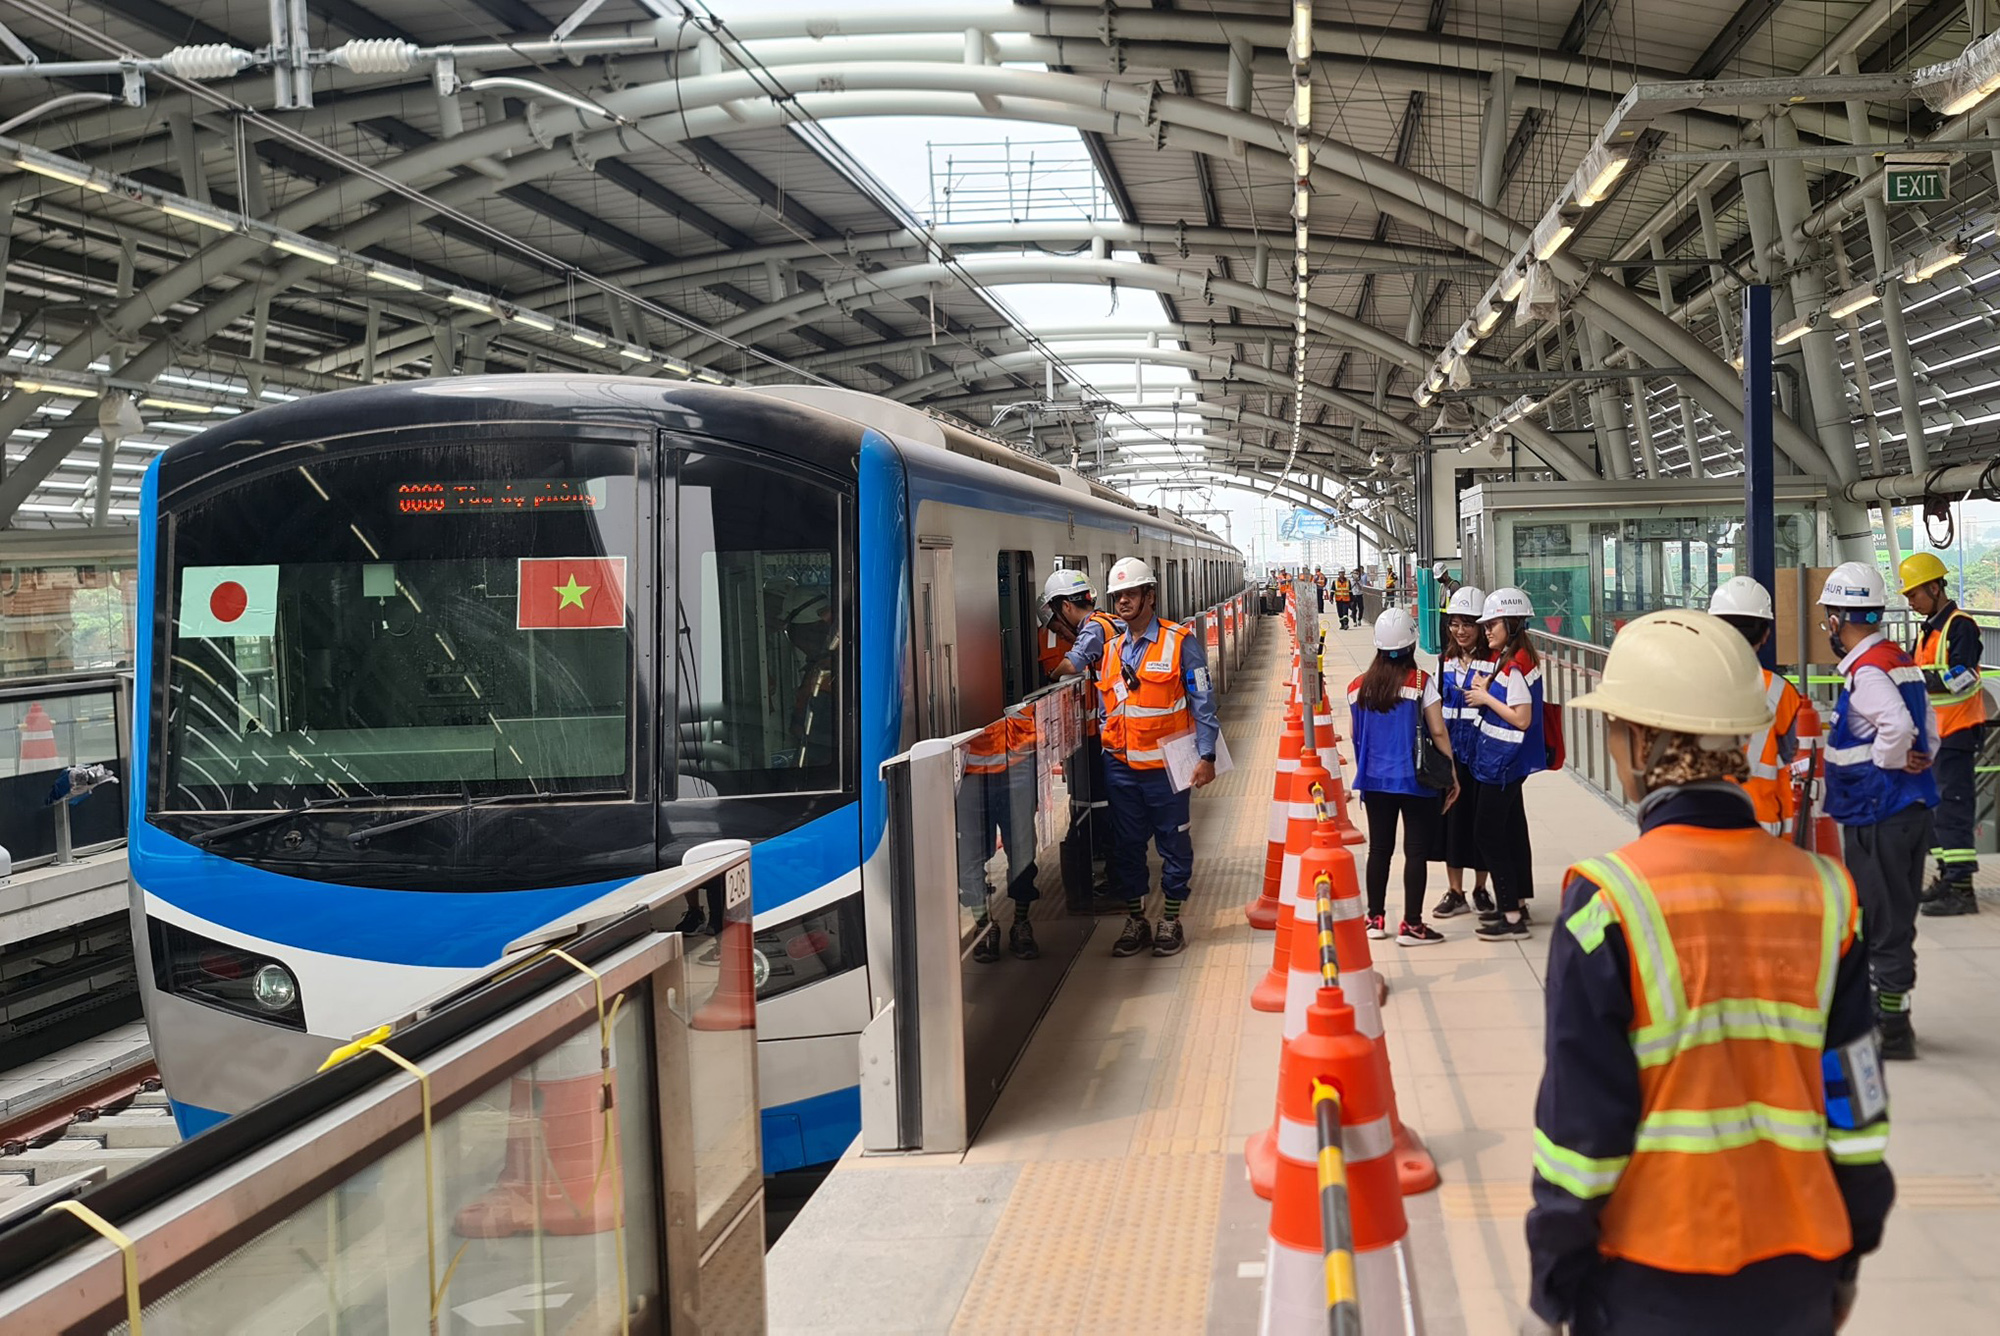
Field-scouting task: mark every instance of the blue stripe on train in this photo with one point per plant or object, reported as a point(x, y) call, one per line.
point(811, 1130)
point(192, 1118)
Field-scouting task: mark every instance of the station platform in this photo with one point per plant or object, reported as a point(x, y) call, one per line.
point(1106, 1190)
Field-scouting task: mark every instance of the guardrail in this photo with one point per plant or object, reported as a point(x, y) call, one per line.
point(1570, 668)
point(48, 725)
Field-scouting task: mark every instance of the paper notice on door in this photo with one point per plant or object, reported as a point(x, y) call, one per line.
point(1181, 757)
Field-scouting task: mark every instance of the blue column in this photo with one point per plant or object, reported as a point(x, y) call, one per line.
point(1759, 557)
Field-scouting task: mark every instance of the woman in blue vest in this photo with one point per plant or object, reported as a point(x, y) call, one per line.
point(1511, 748)
point(1387, 706)
point(1463, 659)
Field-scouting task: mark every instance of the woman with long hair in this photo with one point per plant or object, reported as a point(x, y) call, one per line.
point(1511, 747)
point(1463, 659)
point(1387, 706)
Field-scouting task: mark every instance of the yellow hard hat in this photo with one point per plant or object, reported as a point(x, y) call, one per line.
point(1920, 568)
point(1685, 671)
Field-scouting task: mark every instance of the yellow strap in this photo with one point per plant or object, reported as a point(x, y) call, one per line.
point(124, 1245)
point(361, 1045)
point(608, 1157)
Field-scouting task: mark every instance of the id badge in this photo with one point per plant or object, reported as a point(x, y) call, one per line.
point(1118, 692)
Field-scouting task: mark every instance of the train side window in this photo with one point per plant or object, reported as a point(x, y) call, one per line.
point(759, 654)
point(1017, 625)
point(1073, 563)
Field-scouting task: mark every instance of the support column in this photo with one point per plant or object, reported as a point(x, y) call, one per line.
point(1759, 495)
point(1605, 408)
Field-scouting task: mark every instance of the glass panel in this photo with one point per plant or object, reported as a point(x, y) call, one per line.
point(722, 976)
point(448, 618)
point(66, 618)
point(39, 741)
point(758, 657)
point(545, 1217)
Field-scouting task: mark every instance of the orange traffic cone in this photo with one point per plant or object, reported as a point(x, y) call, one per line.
point(733, 1005)
point(1263, 911)
point(1332, 1051)
point(1300, 815)
point(38, 738)
point(561, 1170)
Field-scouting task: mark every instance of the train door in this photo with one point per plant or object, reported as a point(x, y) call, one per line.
point(937, 619)
point(1018, 671)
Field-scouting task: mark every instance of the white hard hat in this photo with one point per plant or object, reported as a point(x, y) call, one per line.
point(1508, 602)
point(1854, 584)
point(1129, 573)
point(1741, 596)
point(1685, 671)
point(1064, 584)
point(1395, 629)
point(1466, 601)
point(1442, 569)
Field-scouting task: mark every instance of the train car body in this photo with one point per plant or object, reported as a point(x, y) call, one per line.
point(429, 665)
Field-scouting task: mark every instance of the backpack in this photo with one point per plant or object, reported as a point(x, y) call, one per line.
point(1552, 734)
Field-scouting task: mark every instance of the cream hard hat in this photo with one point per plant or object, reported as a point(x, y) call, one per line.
point(1129, 573)
point(1684, 671)
point(1741, 596)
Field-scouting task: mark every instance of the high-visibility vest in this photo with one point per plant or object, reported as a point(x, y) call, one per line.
point(987, 753)
point(1506, 754)
point(1055, 643)
point(1859, 792)
point(1461, 720)
point(1136, 718)
point(1956, 710)
point(1735, 938)
point(1385, 742)
point(1342, 589)
point(1770, 782)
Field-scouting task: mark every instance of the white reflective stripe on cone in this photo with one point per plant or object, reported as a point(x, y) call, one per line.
point(1295, 1292)
point(1359, 987)
point(1304, 901)
point(1359, 1142)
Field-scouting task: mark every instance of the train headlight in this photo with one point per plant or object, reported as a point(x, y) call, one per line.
point(274, 988)
point(760, 968)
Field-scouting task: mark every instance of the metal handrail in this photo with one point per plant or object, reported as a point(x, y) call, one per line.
point(1570, 668)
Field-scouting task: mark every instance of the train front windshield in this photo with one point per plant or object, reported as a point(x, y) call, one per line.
point(447, 620)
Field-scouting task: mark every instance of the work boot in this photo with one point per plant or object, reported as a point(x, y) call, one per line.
point(1935, 888)
point(1899, 1037)
point(1138, 935)
point(1021, 941)
point(1451, 906)
point(1168, 939)
point(1956, 898)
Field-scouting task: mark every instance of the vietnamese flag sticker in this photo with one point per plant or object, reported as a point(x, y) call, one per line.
point(571, 594)
point(229, 601)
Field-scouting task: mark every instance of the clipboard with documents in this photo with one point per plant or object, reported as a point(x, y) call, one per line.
point(1181, 757)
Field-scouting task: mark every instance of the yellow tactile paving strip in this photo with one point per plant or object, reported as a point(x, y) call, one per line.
point(1124, 1244)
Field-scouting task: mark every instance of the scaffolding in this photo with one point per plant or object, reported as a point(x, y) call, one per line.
point(1038, 180)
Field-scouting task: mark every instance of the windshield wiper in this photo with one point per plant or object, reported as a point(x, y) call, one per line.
point(203, 839)
point(360, 837)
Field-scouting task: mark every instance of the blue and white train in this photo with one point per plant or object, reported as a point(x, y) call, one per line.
point(429, 665)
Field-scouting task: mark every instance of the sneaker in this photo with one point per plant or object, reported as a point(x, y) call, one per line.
point(1955, 900)
point(1138, 935)
point(1169, 938)
point(1451, 906)
point(1378, 927)
point(1021, 941)
point(1899, 1039)
point(1498, 929)
point(1417, 934)
point(987, 949)
point(1524, 912)
point(1482, 901)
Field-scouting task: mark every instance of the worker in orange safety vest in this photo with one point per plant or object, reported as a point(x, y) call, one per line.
point(1788, 750)
point(1948, 652)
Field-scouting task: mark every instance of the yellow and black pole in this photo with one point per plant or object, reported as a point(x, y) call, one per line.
point(1329, 957)
point(1336, 1230)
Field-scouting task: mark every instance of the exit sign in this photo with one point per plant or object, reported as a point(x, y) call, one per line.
point(1915, 182)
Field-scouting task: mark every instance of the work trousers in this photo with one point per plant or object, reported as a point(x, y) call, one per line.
point(1957, 859)
point(1779, 1296)
point(1419, 816)
point(1344, 607)
point(1502, 832)
point(1144, 807)
point(1886, 861)
point(997, 808)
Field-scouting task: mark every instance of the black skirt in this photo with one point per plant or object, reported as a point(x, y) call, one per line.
point(1461, 843)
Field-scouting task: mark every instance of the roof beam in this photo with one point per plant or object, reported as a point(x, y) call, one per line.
point(754, 183)
point(1744, 24)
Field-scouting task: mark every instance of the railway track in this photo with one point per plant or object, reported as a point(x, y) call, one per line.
point(82, 1133)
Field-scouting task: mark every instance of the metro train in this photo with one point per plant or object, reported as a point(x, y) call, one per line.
point(431, 664)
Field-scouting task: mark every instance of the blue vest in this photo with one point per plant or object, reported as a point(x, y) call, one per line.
point(1859, 792)
point(1385, 741)
point(1460, 720)
point(1508, 755)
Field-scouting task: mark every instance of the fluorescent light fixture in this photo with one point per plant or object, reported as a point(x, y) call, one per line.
point(1854, 299)
point(586, 338)
point(306, 250)
point(174, 405)
point(1602, 167)
point(533, 320)
point(635, 354)
point(1485, 319)
point(471, 303)
point(1943, 256)
point(60, 169)
point(711, 378)
point(56, 387)
point(678, 368)
point(194, 213)
point(396, 278)
point(1552, 235)
point(1792, 333)
point(1424, 396)
point(1510, 286)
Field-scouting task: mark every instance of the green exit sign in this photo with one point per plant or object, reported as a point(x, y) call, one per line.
point(1915, 182)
